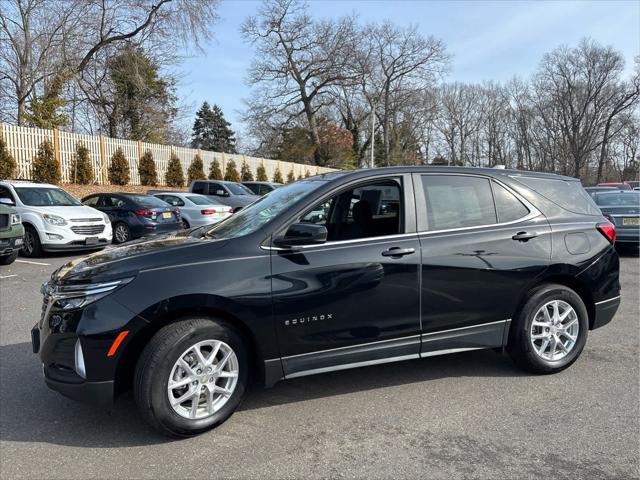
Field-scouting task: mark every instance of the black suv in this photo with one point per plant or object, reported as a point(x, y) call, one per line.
point(404, 262)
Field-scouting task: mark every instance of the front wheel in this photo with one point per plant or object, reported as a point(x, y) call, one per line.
point(31, 246)
point(191, 376)
point(550, 331)
point(121, 233)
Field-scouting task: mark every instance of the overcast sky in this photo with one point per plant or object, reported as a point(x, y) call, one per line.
point(488, 39)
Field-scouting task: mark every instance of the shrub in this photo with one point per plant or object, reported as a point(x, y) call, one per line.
point(231, 175)
point(245, 172)
point(45, 166)
point(81, 169)
point(214, 171)
point(291, 177)
point(277, 176)
point(119, 169)
point(306, 173)
point(147, 170)
point(261, 174)
point(196, 169)
point(8, 164)
point(175, 175)
point(300, 177)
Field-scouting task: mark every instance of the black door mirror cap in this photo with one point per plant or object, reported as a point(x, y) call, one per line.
point(300, 234)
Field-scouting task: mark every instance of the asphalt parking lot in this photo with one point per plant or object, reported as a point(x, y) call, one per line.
point(467, 415)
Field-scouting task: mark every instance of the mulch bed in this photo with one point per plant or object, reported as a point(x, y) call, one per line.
point(81, 191)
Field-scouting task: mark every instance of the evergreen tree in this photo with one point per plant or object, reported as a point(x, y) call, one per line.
point(175, 175)
point(245, 172)
point(231, 175)
point(291, 177)
point(44, 110)
point(215, 173)
point(306, 173)
point(277, 176)
point(119, 169)
point(81, 170)
point(211, 131)
point(147, 170)
point(196, 169)
point(8, 164)
point(261, 174)
point(45, 166)
point(300, 177)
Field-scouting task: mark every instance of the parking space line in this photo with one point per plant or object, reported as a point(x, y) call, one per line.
point(7, 276)
point(33, 263)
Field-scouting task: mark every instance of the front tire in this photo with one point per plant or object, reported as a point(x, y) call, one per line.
point(550, 331)
point(9, 259)
point(191, 376)
point(121, 233)
point(31, 246)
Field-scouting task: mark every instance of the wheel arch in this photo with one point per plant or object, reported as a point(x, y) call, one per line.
point(568, 280)
point(174, 310)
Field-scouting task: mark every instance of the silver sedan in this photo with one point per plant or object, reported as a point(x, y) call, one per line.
point(195, 210)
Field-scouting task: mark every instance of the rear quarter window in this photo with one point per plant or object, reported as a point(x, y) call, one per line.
point(567, 194)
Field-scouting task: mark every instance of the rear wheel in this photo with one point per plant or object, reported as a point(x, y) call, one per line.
point(550, 332)
point(8, 259)
point(121, 233)
point(31, 246)
point(191, 376)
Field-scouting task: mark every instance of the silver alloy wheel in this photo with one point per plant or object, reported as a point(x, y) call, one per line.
point(554, 330)
point(203, 379)
point(122, 235)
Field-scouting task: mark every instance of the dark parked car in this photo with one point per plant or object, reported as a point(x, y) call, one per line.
point(135, 215)
point(622, 208)
point(617, 185)
point(470, 259)
point(262, 188)
point(232, 194)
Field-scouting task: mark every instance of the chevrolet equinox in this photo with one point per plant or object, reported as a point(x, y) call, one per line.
point(402, 263)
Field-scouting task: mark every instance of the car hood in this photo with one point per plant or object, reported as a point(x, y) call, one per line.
point(77, 211)
point(128, 259)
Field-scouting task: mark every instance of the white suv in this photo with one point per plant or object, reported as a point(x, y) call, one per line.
point(53, 220)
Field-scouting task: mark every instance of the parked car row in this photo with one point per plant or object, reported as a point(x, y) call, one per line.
point(38, 217)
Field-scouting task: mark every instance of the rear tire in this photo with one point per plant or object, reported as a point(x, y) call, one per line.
point(545, 343)
point(162, 364)
point(31, 246)
point(9, 259)
point(185, 224)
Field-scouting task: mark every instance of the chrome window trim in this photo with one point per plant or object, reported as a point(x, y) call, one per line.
point(533, 211)
point(379, 239)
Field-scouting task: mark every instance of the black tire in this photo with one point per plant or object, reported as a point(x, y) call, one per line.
point(155, 365)
point(8, 259)
point(185, 224)
point(31, 246)
point(520, 346)
point(123, 229)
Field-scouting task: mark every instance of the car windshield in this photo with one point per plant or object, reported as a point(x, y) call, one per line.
point(46, 197)
point(618, 199)
point(238, 189)
point(263, 210)
point(199, 199)
point(147, 201)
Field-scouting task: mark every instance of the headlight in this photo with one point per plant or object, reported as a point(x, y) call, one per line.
point(15, 219)
point(70, 297)
point(107, 220)
point(54, 219)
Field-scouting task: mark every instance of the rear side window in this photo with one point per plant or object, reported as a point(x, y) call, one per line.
point(455, 201)
point(199, 187)
point(172, 200)
point(567, 194)
point(508, 207)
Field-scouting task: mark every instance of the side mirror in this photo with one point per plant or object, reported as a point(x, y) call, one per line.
point(220, 193)
point(7, 201)
point(302, 234)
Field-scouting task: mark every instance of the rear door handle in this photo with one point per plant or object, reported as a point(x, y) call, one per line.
point(524, 236)
point(398, 252)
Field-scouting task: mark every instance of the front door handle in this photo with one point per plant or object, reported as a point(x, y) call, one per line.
point(524, 236)
point(398, 252)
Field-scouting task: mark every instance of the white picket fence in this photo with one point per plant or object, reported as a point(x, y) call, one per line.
point(23, 143)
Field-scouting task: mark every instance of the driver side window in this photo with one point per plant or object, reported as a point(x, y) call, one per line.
point(370, 210)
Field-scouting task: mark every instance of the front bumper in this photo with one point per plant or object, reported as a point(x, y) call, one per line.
point(55, 238)
point(8, 245)
point(100, 394)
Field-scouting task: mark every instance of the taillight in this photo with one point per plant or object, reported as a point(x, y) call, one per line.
point(145, 213)
point(608, 230)
point(208, 211)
